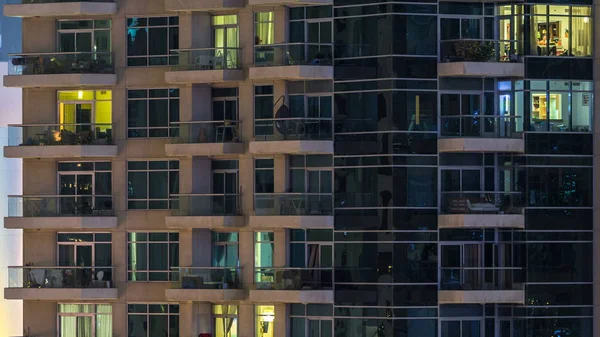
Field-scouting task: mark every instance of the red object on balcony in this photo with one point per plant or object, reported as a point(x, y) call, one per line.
point(205, 335)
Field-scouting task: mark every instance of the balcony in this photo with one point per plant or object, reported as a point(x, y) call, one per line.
point(482, 285)
point(476, 58)
point(207, 284)
point(206, 139)
point(210, 211)
point(292, 285)
point(49, 70)
point(292, 61)
point(295, 135)
point(481, 133)
point(206, 65)
point(60, 141)
point(202, 6)
point(60, 284)
point(482, 210)
point(292, 210)
point(59, 212)
point(59, 8)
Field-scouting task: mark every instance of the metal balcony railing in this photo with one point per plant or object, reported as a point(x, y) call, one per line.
point(61, 63)
point(60, 205)
point(60, 277)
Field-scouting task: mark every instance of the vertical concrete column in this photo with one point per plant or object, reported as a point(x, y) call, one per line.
point(201, 177)
point(246, 179)
point(119, 252)
point(281, 24)
point(246, 321)
point(185, 247)
point(119, 318)
point(186, 106)
point(280, 173)
point(120, 188)
point(119, 116)
point(280, 251)
point(246, 254)
point(246, 33)
point(280, 323)
point(201, 30)
point(186, 319)
point(201, 247)
point(203, 316)
point(246, 111)
point(185, 176)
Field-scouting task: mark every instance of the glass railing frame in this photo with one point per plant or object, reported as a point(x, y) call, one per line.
point(49, 63)
point(300, 283)
point(32, 2)
point(496, 45)
point(302, 129)
point(56, 134)
point(235, 283)
point(516, 204)
point(290, 208)
point(42, 208)
point(52, 278)
point(506, 132)
point(211, 63)
point(284, 57)
point(232, 125)
point(176, 203)
point(483, 281)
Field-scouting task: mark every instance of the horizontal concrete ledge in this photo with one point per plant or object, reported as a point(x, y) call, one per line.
point(516, 145)
point(204, 76)
point(202, 6)
point(481, 221)
point(291, 221)
point(60, 9)
point(481, 69)
point(291, 296)
point(204, 149)
point(60, 151)
point(206, 295)
point(292, 147)
point(211, 222)
point(61, 294)
point(481, 296)
point(66, 222)
point(289, 2)
point(60, 80)
point(299, 72)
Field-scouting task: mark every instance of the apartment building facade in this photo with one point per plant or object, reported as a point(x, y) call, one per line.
point(310, 168)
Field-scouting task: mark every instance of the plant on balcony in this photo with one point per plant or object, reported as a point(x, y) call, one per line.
point(476, 51)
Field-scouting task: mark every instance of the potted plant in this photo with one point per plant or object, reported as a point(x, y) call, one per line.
point(475, 51)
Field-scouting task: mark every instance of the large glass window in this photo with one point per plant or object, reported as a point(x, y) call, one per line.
point(263, 109)
point(264, 28)
point(264, 176)
point(150, 41)
point(83, 320)
point(313, 26)
point(558, 30)
point(84, 111)
point(311, 320)
point(225, 249)
point(153, 320)
point(84, 187)
point(151, 183)
point(150, 112)
point(225, 320)
point(264, 245)
point(226, 38)
point(87, 250)
point(150, 256)
point(265, 317)
point(84, 36)
point(311, 174)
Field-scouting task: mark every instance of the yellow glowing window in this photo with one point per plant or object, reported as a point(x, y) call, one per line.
point(85, 107)
point(265, 317)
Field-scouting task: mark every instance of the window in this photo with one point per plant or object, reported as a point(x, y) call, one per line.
point(226, 39)
point(314, 320)
point(225, 249)
point(150, 41)
point(263, 249)
point(558, 30)
point(311, 173)
point(87, 250)
point(263, 109)
point(153, 320)
point(226, 320)
point(85, 187)
point(92, 108)
point(264, 28)
point(313, 26)
point(265, 317)
point(152, 255)
point(150, 183)
point(311, 248)
point(264, 181)
point(150, 112)
point(84, 36)
point(75, 320)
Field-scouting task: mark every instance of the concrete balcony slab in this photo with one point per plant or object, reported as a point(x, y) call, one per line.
point(458, 145)
point(206, 295)
point(291, 221)
point(481, 69)
point(209, 222)
point(202, 6)
point(61, 151)
point(481, 296)
point(59, 222)
point(481, 221)
point(204, 149)
point(291, 147)
point(62, 9)
point(61, 294)
point(291, 296)
point(60, 80)
point(292, 72)
point(204, 76)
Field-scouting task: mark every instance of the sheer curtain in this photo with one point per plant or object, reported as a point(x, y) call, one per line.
point(104, 320)
point(581, 37)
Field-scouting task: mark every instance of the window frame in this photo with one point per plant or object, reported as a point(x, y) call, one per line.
point(148, 314)
point(148, 200)
point(82, 314)
point(171, 275)
point(171, 58)
point(172, 131)
point(235, 317)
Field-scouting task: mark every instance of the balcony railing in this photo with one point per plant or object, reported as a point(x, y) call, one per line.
point(484, 126)
point(198, 132)
point(293, 278)
point(474, 50)
point(479, 278)
point(60, 134)
point(293, 128)
point(208, 278)
point(293, 204)
point(482, 202)
point(22, 2)
point(61, 63)
point(60, 277)
point(207, 59)
point(205, 204)
point(291, 54)
point(60, 205)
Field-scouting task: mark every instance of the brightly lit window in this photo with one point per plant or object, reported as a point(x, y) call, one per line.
point(265, 317)
point(86, 109)
point(263, 254)
point(264, 28)
point(226, 320)
point(76, 320)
